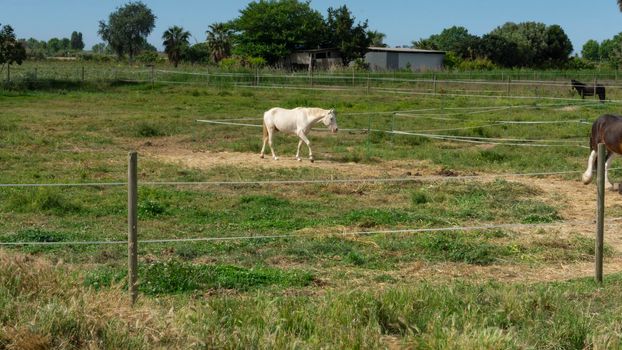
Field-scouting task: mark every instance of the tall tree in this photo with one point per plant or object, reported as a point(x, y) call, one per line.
point(175, 42)
point(558, 45)
point(11, 50)
point(620, 4)
point(127, 28)
point(273, 29)
point(538, 45)
point(499, 50)
point(76, 41)
point(219, 41)
point(351, 40)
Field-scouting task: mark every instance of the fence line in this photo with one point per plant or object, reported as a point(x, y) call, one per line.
point(501, 94)
point(466, 139)
point(303, 182)
point(77, 184)
point(308, 236)
point(349, 77)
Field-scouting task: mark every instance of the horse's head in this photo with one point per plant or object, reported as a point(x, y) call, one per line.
point(330, 120)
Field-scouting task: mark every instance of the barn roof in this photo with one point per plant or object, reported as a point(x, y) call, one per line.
point(405, 50)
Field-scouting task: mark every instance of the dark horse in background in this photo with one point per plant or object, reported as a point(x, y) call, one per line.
point(606, 129)
point(585, 90)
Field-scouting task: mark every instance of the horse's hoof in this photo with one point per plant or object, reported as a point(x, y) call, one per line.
point(298, 159)
point(261, 156)
point(276, 158)
point(312, 160)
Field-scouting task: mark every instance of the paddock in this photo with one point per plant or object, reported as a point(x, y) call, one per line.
point(415, 189)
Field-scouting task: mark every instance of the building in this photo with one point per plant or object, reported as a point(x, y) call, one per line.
point(385, 58)
point(323, 59)
point(378, 59)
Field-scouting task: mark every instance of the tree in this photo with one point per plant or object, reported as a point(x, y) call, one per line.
point(76, 41)
point(376, 38)
point(197, 53)
point(101, 48)
point(54, 46)
point(538, 45)
point(351, 40)
point(620, 5)
point(175, 42)
point(454, 39)
point(499, 50)
point(608, 46)
point(425, 44)
point(591, 50)
point(127, 28)
point(273, 29)
point(36, 48)
point(219, 41)
point(11, 50)
point(65, 45)
point(558, 46)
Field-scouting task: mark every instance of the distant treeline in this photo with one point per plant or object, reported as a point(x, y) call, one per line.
point(267, 32)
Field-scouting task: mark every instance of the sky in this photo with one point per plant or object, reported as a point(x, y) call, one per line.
point(403, 21)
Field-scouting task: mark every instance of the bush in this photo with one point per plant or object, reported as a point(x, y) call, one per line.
point(149, 57)
point(477, 64)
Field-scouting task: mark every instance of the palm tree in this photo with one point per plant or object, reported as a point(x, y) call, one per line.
point(620, 4)
point(175, 40)
point(377, 38)
point(219, 41)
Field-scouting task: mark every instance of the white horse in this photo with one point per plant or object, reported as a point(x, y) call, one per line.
point(296, 121)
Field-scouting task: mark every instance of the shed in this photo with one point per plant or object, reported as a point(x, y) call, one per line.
point(317, 59)
point(385, 58)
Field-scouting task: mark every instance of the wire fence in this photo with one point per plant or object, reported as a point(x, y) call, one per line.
point(480, 84)
point(506, 226)
point(133, 185)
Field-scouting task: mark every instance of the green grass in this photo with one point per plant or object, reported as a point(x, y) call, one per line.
point(320, 287)
point(171, 277)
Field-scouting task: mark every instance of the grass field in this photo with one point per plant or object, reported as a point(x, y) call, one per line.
point(334, 281)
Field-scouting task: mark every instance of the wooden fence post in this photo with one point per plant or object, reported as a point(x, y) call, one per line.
point(132, 224)
point(600, 213)
point(368, 136)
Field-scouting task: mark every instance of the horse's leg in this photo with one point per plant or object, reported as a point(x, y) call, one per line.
point(304, 138)
point(587, 175)
point(609, 158)
point(263, 148)
point(270, 133)
point(298, 151)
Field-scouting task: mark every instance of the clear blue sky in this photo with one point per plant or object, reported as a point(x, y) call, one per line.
point(401, 20)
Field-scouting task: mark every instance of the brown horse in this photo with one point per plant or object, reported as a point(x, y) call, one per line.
point(585, 90)
point(606, 129)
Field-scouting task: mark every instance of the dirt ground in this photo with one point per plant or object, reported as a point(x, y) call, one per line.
point(575, 200)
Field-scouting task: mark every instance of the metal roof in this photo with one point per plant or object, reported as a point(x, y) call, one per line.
point(405, 50)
